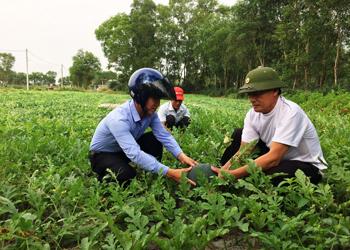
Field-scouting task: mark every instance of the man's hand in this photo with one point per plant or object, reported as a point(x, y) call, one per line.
point(266, 161)
point(184, 159)
point(175, 174)
point(225, 168)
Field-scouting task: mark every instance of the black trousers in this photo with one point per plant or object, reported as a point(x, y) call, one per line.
point(118, 162)
point(170, 122)
point(288, 167)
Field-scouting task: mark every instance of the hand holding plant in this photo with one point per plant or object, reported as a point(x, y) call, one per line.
point(176, 174)
point(184, 159)
point(237, 160)
point(225, 168)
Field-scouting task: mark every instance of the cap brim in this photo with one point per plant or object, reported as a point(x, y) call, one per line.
point(180, 98)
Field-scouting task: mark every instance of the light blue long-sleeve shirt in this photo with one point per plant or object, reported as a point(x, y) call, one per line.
point(120, 130)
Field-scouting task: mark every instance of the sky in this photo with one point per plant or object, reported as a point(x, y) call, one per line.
point(54, 30)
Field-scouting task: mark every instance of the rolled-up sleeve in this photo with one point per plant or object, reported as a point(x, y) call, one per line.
point(121, 132)
point(165, 137)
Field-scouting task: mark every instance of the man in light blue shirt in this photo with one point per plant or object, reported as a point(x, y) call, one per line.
point(119, 138)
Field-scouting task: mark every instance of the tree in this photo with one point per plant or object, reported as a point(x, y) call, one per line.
point(18, 78)
point(7, 61)
point(211, 45)
point(129, 41)
point(201, 44)
point(50, 77)
point(186, 63)
point(310, 34)
point(142, 18)
point(103, 77)
point(339, 12)
point(37, 78)
point(171, 25)
point(66, 80)
point(84, 68)
point(115, 37)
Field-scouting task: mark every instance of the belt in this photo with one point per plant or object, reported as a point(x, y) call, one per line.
point(93, 153)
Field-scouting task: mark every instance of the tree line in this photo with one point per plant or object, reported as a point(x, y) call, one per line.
point(202, 44)
point(85, 72)
point(10, 77)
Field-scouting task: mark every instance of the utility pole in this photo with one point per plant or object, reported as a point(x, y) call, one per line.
point(27, 69)
point(61, 75)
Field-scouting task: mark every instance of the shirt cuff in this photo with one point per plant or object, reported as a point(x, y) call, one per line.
point(176, 152)
point(161, 169)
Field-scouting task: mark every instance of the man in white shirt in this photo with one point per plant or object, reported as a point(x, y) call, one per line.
point(175, 113)
point(287, 139)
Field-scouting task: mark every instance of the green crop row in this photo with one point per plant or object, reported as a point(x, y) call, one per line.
point(49, 198)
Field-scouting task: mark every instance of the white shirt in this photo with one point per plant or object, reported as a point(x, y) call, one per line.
point(167, 109)
point(288, 124)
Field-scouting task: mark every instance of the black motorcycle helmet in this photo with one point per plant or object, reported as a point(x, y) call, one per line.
point(148, 82)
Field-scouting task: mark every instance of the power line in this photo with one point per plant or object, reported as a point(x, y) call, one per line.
point(37, 59)
point(43, 60)
point(34, 59)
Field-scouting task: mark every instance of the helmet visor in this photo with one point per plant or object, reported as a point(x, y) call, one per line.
point(163, 89)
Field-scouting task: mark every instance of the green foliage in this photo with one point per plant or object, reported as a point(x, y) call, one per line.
point(7, 61)
point(65, 81)
point(49, 197)
point(129, 41)
point(84, 68)
point(38, 78)
point(104, 77)
point(18, 78)
point(203, 45)
point(114, 35)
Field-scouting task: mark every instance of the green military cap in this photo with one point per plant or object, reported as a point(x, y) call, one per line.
point(260, 79)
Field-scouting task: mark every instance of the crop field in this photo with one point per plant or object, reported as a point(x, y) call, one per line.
point(50, 198)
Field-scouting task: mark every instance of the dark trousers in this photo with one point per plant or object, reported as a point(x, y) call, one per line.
point(288, 167)
point(183, 123)
point(118, 162)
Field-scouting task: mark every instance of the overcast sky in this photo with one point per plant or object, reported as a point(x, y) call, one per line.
point(54, 30)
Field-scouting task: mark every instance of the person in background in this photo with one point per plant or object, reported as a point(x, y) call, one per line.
point(174, 112)
point(120, 137)
point(286, 137)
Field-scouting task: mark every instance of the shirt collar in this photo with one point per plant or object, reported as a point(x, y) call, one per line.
point(278, 103)
point(134, 113)
point(171, 108)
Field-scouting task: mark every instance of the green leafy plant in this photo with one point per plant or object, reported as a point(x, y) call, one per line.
point(50, 199)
